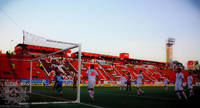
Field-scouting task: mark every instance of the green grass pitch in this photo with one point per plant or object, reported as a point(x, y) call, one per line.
point(112, 97)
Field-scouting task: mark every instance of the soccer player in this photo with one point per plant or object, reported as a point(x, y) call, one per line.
point(58, 81)
point(74, 81)
point(179, 84)
point(122, 82)
point(128, 82)
point(55, 80)
point(92, 74)
point(139, 81)
point(165, 83)
point(189, 84)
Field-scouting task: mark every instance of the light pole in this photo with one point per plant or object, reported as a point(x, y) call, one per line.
point(169, 51)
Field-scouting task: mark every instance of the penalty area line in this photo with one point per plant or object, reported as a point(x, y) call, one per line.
point(95, 106)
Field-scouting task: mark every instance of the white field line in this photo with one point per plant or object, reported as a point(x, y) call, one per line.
point(95, 106)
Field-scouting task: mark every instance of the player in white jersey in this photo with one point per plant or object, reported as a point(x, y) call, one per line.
point(139, 81)
point(165, 83)
point(189, 83)
point(179, 85)
point(122, 82)
point(92, 74)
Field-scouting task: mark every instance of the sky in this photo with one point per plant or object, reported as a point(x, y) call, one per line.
point(138, 27)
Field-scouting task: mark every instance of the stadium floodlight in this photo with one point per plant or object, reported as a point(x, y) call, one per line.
point(170, 41)
point(45, 92)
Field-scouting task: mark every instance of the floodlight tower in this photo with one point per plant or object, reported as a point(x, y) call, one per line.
point(169, 50)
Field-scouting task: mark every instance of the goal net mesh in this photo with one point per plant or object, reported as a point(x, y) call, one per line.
point(54, 76)
point(32, 39)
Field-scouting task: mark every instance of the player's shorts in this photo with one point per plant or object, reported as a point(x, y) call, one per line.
point(58, 85)
point(138, 85)
point(189, 86)
point(91, 84)
point(178, 86)
point(128, 83)
point(122, 84)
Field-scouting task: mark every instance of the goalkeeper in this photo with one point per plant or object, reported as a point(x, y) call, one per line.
point(58, 81)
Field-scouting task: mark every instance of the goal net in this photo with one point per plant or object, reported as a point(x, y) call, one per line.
point(54, 73)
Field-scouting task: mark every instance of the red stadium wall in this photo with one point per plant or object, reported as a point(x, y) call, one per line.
point(124, 55)
point(14, 67)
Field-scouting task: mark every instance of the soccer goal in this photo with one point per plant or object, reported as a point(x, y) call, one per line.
point(55, 72)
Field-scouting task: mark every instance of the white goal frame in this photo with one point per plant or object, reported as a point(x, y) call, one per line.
point(73, 45)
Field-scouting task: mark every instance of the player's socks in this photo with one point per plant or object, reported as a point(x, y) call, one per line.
point(90, 93)
point(138, 92)
point(184, 95)
point(142, 92)
point(191, 92)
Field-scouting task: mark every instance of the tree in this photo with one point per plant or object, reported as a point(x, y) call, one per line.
point(179, 64)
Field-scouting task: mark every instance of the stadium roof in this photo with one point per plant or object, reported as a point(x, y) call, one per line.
point(117, 57)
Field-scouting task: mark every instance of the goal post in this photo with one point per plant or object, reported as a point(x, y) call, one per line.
point(49, 92)
point(79, 73)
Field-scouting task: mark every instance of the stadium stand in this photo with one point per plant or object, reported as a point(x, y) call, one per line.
point(109, 68)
